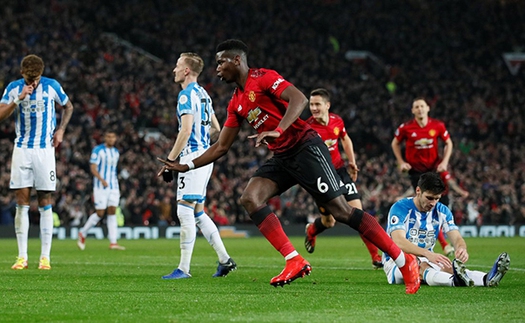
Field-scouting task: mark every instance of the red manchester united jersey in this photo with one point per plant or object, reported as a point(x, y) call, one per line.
point(331, 133)
point(261, 105)
point(421, 150)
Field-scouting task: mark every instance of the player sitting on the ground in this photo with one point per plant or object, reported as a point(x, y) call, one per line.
point(413, 224)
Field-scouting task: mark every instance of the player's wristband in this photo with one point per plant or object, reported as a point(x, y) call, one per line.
point(279, 130)
point(17, 101)
point(191, 165)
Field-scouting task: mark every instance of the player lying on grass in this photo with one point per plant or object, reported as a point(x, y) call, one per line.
point(413, 224)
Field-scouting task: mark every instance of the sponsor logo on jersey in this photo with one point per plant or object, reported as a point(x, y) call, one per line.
point(413, 134)
point(331, 144)
point(424, 143)
point(251, 96)
point(239, 108)
point(253, 115)
point(276, 84)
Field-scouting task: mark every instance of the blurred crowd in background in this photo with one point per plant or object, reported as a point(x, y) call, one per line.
point(114, 59)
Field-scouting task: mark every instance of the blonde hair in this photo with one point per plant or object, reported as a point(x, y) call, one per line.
point(32, 66)
point(194, 61)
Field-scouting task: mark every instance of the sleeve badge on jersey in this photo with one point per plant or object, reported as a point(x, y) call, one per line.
point(183, 99)
point(394, 220)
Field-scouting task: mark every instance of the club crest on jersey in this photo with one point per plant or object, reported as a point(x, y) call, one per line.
point(336, 131)
point(253, 114)
point(251, 96)
point(432, 132)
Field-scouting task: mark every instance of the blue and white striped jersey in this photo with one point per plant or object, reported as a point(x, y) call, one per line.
point(421, 228)
point(35, 118)
point(195, 100)
point(106, 160)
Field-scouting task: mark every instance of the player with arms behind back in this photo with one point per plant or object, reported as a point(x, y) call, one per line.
point(197, 121)
point(332, 129)
point(272, 106)
point(106, 193)
point(33, 99)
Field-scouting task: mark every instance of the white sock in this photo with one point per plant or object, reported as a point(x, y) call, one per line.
point(22, 229)
point(91, 222)
point(46, 230)
point(211, 233)
point(400, 260)
point(188, 233)
point(111, 222)
point(477, 276)
point(291, 255)
point(437, 278)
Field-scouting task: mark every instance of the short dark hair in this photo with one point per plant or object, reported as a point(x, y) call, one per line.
point(322, 93)
point(232, 45)
point(422, 98)
point(431, 182)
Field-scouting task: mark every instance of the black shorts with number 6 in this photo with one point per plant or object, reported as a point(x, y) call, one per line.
point(351, 190)
point(308, 165)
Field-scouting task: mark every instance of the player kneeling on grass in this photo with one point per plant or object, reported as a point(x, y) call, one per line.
point(413, 224)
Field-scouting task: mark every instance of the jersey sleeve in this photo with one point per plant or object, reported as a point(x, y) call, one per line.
point(273, 83)
point(61, 96)
point(233, 120)
point(397, 217)
point(184, 104)
point(9, 94)
point(400, 133)
point(342, 132)
point(95, 157)
point(448, 218)
point(444, 132)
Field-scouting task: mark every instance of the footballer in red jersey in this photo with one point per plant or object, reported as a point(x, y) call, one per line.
point(272, 106)
point(421, 136)
point(332, 130)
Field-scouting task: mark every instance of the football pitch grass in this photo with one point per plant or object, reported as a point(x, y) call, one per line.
point(101, 285)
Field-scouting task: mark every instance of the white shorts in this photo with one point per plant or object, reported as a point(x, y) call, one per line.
point(191, 186)
point(393, 274)
point(105, 197)
point(35, 167)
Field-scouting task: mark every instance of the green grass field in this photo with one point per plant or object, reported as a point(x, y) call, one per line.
point(99, 285)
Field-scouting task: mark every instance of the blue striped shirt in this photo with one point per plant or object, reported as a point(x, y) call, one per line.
point(106, 160)
point(35, 119)
point(195, 100)
point(421, 228)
